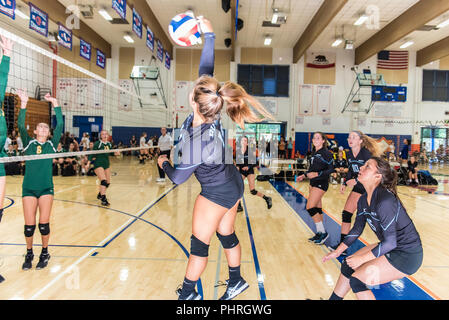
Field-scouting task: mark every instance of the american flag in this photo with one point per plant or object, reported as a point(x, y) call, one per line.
point(392, 60)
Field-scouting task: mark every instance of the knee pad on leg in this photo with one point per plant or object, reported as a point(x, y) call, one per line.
point(29, 231)
point(229, 241)
point(346, 270)
point(254, 192)
point(104, 183)
point(312, 211)
point(357, 285)
point(346, 216)
point(44, 229)
point(198, 248)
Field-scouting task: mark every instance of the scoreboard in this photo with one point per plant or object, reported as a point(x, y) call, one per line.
point(387, 93)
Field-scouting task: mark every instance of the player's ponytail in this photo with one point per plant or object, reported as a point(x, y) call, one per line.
point(389, 176)
point(369, 143)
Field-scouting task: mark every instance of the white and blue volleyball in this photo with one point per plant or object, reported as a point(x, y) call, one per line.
point(184, 30)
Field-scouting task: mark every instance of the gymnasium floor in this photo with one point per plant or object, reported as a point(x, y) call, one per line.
point(137, 248)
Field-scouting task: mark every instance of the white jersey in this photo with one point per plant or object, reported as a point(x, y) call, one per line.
point(165, 142)
point(142, 142)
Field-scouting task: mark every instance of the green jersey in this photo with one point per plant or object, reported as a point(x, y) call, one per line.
point(101, 159)
point(4, 71)
point(39, 173)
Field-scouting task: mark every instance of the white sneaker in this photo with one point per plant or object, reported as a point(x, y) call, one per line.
point(160, 180)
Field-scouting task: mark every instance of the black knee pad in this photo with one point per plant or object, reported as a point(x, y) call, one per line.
point(29, 230)
point(44, 229)
point(346, 270)
point(198, 248)
point(229, 241)
point(254, 192)
point(357, 285)
point(104, 183)
point(313, 211)
point(346, 216)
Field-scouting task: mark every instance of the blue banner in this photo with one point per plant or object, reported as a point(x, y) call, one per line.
point(137, 24)
point(85, 49)
point(120, 7)
point(167, 60)
point(7, 7)
point(65, 37)
point(150, 39)
point(101, 59)
point(38, 20)
point(160, 51)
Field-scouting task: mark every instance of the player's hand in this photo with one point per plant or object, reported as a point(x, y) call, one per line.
point(351, 182)
point(6, 45)
point(51, 99)
point(161, 160)
point(205, 25)
point(330, 255)
point(354, 261)
point(312, 175)
point(22, 93)
point(245, 168)
point(301, 177)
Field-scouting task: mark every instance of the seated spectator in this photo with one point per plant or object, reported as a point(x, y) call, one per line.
point(12, 168)
point(341, 168)
point(412, 172)
point(70, 165)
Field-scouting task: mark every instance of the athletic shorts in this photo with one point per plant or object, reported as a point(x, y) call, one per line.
point(227, 194)
point(247, 172)
point(321, 184)
point(37, 193)
point(407, 261)
point(359, 188)
point(2, 170)
point(101, 165)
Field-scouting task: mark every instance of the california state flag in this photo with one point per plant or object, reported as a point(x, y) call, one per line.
point(320, 60)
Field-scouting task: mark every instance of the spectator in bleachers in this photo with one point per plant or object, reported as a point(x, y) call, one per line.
point(341, 168)
point(70, 166)
point(85, 141)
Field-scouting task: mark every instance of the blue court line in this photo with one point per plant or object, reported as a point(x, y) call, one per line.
point(403, 289)
point(260, 279)
point(12, 202)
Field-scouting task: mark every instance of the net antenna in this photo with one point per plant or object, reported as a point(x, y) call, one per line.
point(360, 96)
point(148, 84)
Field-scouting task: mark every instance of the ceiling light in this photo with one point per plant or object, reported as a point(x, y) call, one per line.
point(267, 41)
point(128, 38)
point(361, 20)
point(443, 24)
point(274, 19)
point(21, 14)
point(337, 42)
point(105, 14)
point(349, 45)
point(407, 44)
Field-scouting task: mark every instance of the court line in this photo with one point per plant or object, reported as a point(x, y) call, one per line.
point(217, 272)
point(411, 278)
point(260, 277)
point(86, 255)
point(425, 200)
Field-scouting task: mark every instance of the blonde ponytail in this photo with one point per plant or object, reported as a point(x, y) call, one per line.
point(369, 143)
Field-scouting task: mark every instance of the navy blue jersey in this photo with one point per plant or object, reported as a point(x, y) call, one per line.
point(202, 149)
point(321, 162)
point(355, 163)
point(340, 163)
point(388, 219)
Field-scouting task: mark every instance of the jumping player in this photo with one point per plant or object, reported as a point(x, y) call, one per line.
point(399, 252)
point(37, 187)
point(321, 165)
point(202, 144)
point(246, 169)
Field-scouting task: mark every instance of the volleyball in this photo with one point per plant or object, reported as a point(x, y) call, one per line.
point(184, 30)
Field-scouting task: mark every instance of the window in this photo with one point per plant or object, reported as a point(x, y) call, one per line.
point(435, 85)
point(264, 80)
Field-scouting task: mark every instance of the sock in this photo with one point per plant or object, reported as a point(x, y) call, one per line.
point(188, 287)
point(320, 227)
point(44, 250)
point(30, 251)
point(234, 275)
point(342, 237)
point(1, 214)
point(335, 297)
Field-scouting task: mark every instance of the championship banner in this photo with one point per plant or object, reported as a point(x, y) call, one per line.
point(85, 49)
point(38, 20)
point(101, 59)
point(65, 37)
point(8, 7)
point(120, 7)
point(167, 60)
point(150, 39)
point(160, 51)
point(137, 24)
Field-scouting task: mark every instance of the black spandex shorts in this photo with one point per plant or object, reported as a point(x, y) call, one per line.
point(408, 261)
point(247, 172)
point(227, 194)
point(322, 184)
point(359, 188)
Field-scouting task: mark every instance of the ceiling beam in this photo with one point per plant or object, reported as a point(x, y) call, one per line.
point(415, 17)
point(233, 10)
point(57, 13)
point(149, 18)
point(433, 52)
point(320, 21)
